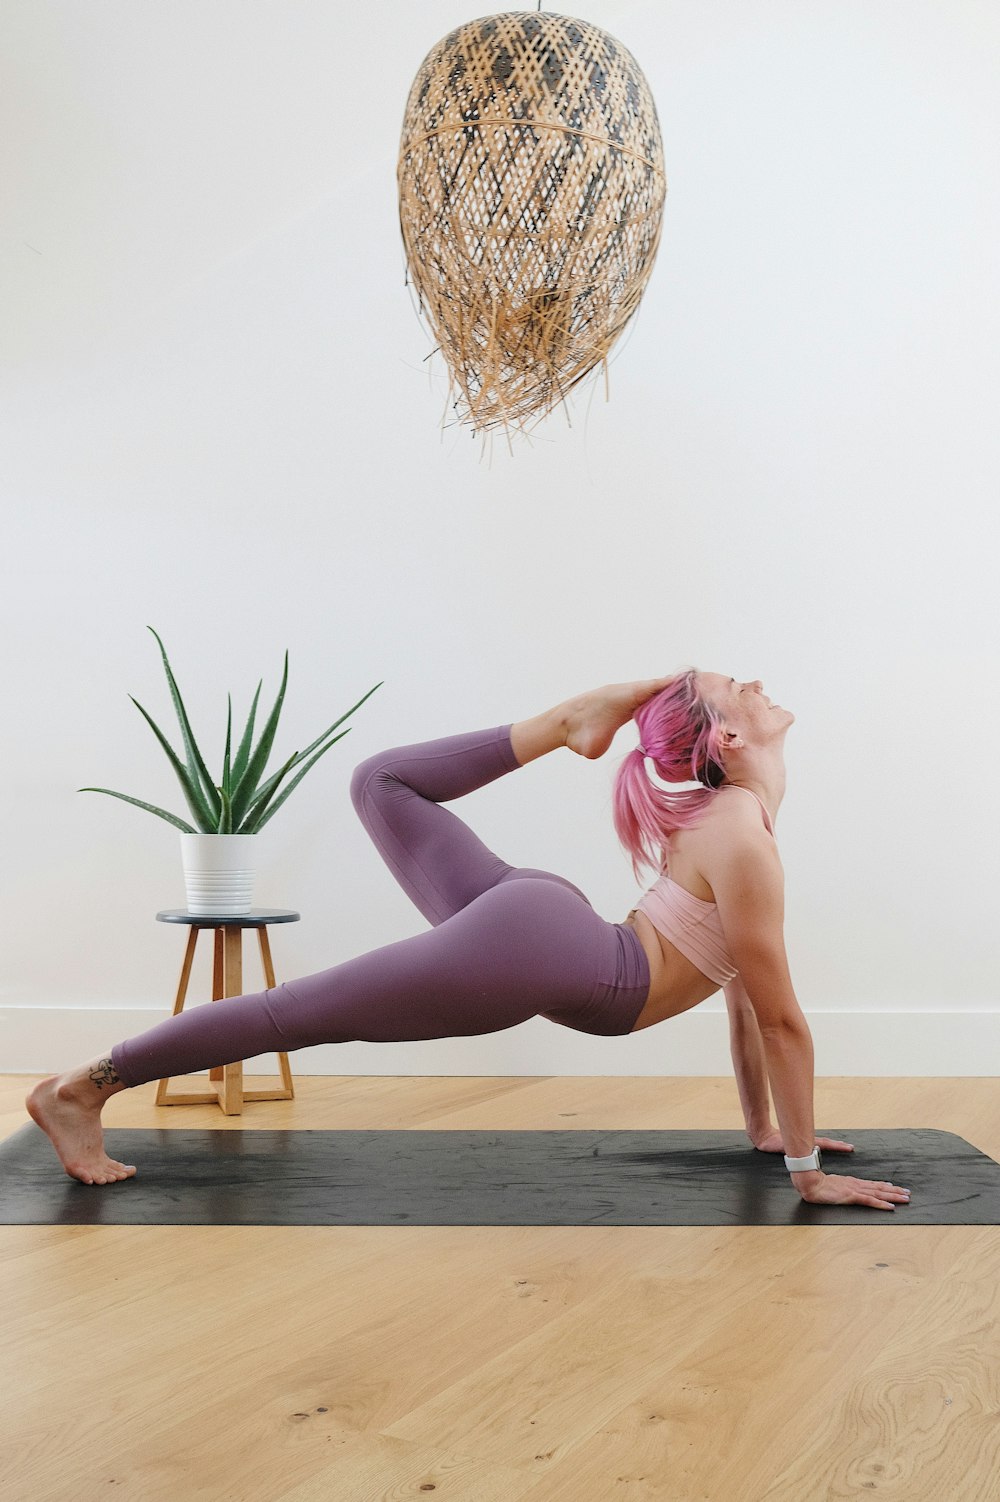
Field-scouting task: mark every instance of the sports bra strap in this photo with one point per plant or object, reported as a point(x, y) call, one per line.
point(767, 816)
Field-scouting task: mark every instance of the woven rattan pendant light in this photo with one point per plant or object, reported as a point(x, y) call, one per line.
point(531, 192)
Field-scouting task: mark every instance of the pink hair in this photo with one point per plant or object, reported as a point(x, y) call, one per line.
point(680, 732)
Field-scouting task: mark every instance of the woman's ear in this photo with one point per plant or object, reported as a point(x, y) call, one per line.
point(731, 741)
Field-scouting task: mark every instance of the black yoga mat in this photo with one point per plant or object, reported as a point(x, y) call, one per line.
point(570, 1178)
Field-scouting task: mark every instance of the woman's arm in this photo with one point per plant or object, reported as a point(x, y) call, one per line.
point(742, 866)
point(749, 1062)
point(745, 875)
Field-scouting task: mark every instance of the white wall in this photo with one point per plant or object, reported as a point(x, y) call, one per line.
point(218, 421)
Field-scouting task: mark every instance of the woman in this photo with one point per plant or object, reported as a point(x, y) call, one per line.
point(509, 943)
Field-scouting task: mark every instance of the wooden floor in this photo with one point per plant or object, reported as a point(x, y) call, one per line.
point(484, 1364)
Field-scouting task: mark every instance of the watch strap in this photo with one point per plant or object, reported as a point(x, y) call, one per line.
point(802, 1165)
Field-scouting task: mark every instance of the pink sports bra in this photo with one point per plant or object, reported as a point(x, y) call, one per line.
point(692, 925)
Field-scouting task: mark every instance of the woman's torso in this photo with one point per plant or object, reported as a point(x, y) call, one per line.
point(676, 983)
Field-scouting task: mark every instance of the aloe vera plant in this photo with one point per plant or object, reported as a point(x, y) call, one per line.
point(240, 804)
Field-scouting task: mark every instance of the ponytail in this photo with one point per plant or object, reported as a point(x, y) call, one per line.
point(680, 733)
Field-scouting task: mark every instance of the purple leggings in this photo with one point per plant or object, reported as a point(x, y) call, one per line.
point(508, 942)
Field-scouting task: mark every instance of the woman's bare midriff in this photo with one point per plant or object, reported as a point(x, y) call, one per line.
point(675, 985)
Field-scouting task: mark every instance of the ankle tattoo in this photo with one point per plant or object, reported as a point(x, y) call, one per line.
point(105, 1073)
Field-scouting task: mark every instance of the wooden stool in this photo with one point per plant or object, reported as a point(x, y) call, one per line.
point(227, 980)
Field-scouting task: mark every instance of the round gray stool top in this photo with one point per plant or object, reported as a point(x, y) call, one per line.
point(257, 917)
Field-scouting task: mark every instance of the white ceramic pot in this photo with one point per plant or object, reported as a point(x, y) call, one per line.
point(219, 872)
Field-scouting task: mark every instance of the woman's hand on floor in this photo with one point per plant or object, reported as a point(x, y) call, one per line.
point(770, 1141)
point(839, 1189)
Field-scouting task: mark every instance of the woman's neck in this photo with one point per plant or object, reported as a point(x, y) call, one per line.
point(764, 776)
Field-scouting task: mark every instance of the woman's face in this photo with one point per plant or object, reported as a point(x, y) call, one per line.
point(744, 706)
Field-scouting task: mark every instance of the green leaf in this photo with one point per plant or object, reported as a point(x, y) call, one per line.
point(258, 823)
point(226, 817)
point(149, 807)
point(246, 788)
point(205, 816)
point(267, 789)
point(195, 762)
point(243, 754)
point(249, 825)
point(225, 764)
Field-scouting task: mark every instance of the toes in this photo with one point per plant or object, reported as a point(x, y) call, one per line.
point(114, 1173)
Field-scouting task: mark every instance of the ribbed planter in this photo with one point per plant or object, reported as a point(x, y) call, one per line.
point(219, 872)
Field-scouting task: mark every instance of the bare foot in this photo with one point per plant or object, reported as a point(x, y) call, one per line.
point(74, 1128)
point(594, 718)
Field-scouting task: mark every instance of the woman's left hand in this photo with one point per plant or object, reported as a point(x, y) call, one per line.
point(771, 1142)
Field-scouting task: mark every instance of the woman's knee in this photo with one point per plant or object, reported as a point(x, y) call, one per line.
point(361, 779)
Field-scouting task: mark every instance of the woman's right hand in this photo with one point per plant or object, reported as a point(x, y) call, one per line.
point(841, 1189)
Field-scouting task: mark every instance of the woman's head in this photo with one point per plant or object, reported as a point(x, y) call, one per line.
point(687, 730)
point(752, 721)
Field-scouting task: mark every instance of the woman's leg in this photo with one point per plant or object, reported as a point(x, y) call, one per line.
point(437, 860)
point(522, 948)
point(68, 1106)
point(435, 857)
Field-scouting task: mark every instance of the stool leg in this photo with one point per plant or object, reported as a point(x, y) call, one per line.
point(218, 990)
point(287, 1091)
point(163, 1086)
point(231, 1087)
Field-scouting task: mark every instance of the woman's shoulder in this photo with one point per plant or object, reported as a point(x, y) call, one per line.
point(733, 813)
point(734, 804)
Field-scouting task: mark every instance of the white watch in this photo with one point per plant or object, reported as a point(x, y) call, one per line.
point(801, 1165)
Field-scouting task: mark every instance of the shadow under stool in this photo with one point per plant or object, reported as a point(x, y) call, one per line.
point(226, 1081)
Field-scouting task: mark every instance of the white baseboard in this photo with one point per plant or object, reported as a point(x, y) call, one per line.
point(42, 1040)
